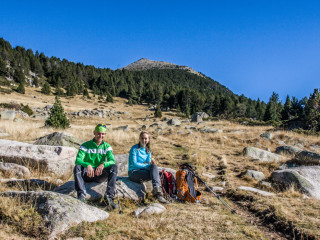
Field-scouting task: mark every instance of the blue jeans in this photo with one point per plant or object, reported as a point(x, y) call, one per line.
point(108, 174)
point(143, 175)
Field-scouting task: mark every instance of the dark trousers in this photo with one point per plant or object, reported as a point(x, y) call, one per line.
point(143, 175)
point(108, 174)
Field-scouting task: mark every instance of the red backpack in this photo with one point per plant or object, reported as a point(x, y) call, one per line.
point(168, 184)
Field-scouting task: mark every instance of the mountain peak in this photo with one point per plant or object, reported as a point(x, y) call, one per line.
point(146, 64)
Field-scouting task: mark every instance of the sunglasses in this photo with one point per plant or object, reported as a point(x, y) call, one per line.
point(100, 125)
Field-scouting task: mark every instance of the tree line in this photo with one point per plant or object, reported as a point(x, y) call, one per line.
point(166, 88)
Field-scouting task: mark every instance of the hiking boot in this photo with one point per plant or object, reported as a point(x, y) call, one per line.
point(82, 199)
point(158, 194)
point(108, 201)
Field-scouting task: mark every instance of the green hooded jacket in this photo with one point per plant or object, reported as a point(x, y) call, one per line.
point(91, 154)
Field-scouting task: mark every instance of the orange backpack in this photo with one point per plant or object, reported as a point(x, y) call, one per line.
point(187, 186)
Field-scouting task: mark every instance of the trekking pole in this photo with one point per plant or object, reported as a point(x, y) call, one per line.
point(128, 194)
point(120, 210)
point(216, 195)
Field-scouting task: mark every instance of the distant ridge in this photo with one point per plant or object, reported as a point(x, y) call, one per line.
point(146, 64)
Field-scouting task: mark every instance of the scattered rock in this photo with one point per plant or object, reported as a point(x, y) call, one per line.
point(208, 175)
point(54, 160)
point(8, 115)
point(174, 122)
point(59, 139)
point(154, 208)
point(291, 150)
point(305, 178)
point(255, 190)
point(307, 157)
point(209, 130)
point(60, 212)
point(122, 128)
point(261, 155)
point(255, 175)
point(14, 170)
point(267, 135)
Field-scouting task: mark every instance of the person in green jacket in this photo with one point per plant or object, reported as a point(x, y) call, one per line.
point(95, 163)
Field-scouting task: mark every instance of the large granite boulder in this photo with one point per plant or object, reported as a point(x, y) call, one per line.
point(95, 191)
point(122, 164)
point(8, 115)
point(53, 160)
point(15, 170)
point(60, 212)
point(261, 155)
point(198, 116)
point(59, 139)
point(305, 178)
point(290, 150)
point(174, 122)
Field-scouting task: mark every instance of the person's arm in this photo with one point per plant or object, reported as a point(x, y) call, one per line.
point(109, 157)
point(80, 157)
point(133, 156)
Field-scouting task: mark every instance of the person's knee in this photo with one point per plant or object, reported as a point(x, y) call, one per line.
point(77, 169)
point(114, 168)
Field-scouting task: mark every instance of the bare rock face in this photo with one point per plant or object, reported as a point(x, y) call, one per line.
point(145, 64)
point(53, 160)
point(154, 208)
point(261, 155)
point(305, 178)
point(60, 212)
point(15, 170)
point(174, 122)
point(59, 139)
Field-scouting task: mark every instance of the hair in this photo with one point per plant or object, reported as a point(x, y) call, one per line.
point(148, 146)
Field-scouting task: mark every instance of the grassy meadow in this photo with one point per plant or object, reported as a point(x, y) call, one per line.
point(288, 215)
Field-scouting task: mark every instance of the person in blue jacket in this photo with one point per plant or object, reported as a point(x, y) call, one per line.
point(143, 168)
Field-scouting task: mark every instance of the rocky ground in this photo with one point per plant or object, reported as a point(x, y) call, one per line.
point(270, 177)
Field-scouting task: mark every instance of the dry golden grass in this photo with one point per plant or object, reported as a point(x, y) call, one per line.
point(210, 152)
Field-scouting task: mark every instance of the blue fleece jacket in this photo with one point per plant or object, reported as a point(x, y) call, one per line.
point(139, 158)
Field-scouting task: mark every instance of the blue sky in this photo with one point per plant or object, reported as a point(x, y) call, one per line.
point(251, 47)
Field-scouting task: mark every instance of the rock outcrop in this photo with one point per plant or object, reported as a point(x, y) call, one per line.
point(261, 155)
point(304, 178)
point(53, 160)
point(16, 170)
point(60, 212)
point(59, 139)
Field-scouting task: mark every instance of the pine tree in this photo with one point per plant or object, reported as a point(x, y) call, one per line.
point(273, 109)
point(312, 111)
point(286, 112)
point(109, 98)
point(57, 117)
point(21, 89)
point(158, 113)
point(46, 89)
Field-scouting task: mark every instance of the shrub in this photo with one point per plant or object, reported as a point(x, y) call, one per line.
point(158, 113)
point(21, 89)
point(26, 109)
point(57, 118)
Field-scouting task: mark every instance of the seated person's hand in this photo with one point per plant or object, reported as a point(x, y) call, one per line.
point(99, 169)
point(90, 172)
